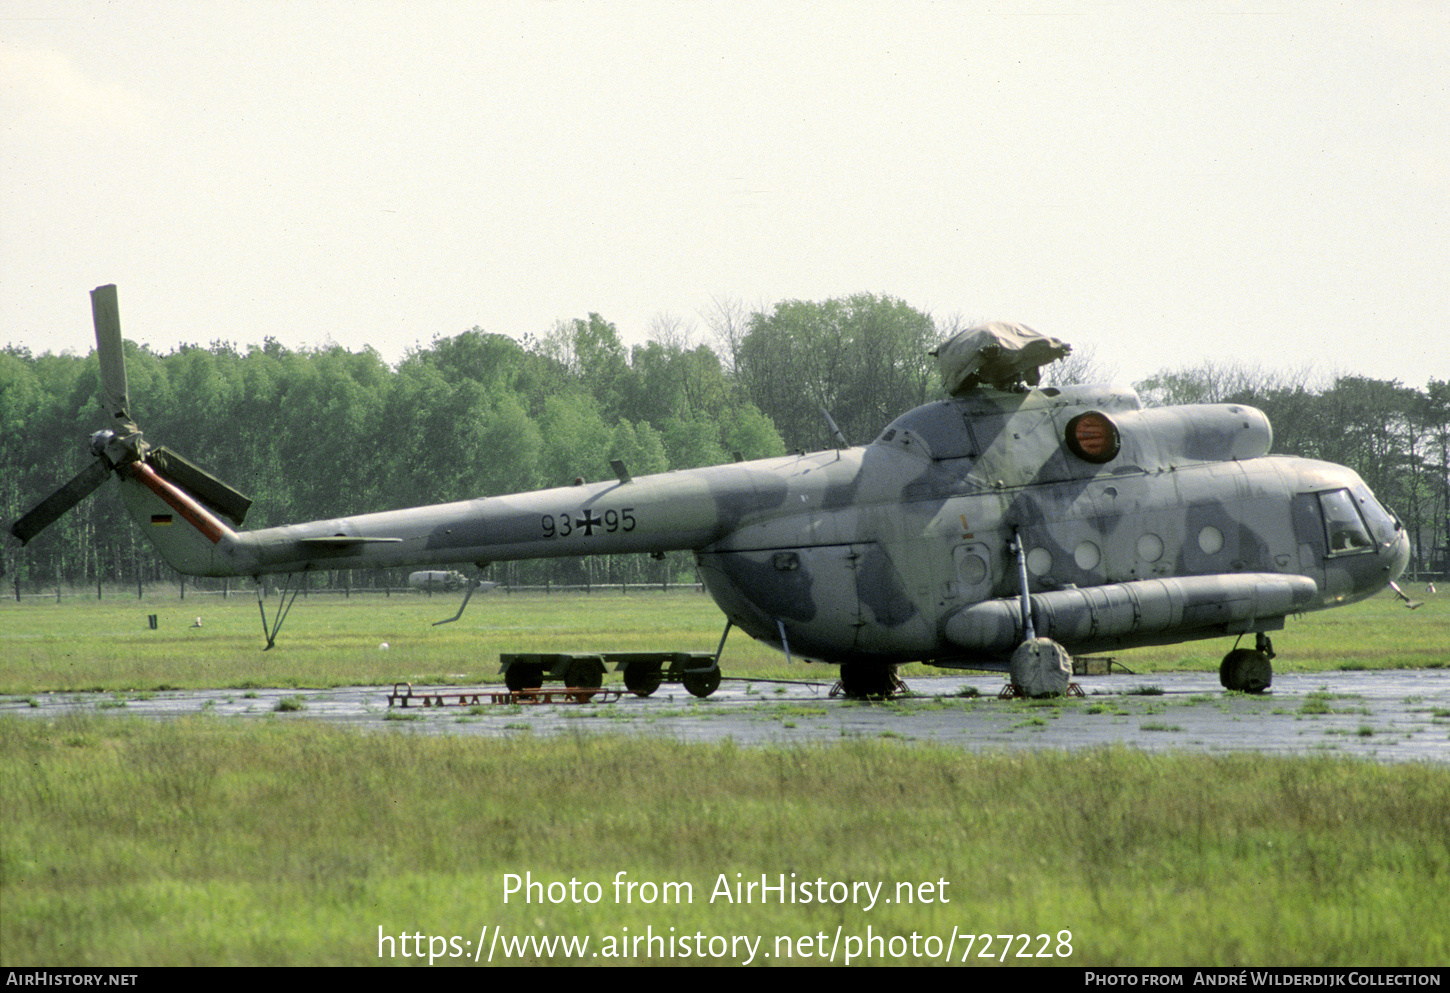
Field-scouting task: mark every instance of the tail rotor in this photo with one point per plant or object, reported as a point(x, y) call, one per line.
point(123, 442)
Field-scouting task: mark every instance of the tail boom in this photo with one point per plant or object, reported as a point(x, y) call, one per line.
point(659, 513)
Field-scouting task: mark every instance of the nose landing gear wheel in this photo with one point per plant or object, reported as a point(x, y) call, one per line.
point(1246, 670)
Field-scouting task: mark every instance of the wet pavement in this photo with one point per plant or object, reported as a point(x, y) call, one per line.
point(1392, 716)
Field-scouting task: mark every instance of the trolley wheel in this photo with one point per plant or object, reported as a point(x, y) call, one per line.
point(702, 684)
point(584, 674)
point(524, 676)
point(642, 678)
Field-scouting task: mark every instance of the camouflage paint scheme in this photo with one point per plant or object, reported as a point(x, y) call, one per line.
point(876, 553)
point(901, 550)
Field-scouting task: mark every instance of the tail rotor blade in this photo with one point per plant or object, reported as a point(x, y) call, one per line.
point(45, 513)
point(114, 392)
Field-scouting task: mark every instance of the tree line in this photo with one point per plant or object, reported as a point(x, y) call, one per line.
point(319, 433)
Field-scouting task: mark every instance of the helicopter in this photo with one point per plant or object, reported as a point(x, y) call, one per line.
point(1007, 526)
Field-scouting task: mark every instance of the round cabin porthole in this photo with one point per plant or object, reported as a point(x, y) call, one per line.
point(1093, 437)
point(1210, 540)
point(971, 569)
point(1150, 547)
point(1039, 561)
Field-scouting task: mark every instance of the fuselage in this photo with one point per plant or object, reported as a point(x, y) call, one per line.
point(1190, 530)
point(903, 549)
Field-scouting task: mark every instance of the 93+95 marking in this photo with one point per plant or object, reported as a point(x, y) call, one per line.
point(587, 521)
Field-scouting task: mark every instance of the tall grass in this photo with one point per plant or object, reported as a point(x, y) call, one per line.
point(209, 841)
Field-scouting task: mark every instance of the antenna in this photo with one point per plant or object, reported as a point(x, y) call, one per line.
point(835, 431)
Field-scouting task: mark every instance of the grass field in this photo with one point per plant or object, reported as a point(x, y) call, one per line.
point(212, 841)
point(207, 841)
point(84, 644)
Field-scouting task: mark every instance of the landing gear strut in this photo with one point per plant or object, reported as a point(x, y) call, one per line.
point(1247, 670)
point(868, 680)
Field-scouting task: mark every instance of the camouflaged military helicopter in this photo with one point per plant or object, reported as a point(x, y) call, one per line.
point(1001, 528)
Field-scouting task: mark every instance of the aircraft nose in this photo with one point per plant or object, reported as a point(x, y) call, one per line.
point(1396, 555)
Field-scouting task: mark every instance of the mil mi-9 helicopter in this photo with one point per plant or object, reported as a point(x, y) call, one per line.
point(1003, 527)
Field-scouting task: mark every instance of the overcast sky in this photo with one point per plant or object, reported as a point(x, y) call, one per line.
point(1161, 183)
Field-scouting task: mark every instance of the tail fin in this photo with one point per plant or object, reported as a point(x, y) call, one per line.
point(189, 537)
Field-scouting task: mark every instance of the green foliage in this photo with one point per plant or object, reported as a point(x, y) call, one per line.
point(862, 358)
point(578, 439)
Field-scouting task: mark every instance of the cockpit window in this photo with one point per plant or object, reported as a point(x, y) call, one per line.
point(1343, 527)
point(1383, 524)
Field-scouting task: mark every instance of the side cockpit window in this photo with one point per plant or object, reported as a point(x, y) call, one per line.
point(1344, 528)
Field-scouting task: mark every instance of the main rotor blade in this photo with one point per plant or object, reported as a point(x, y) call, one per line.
point(45, 513)
point(106, 313)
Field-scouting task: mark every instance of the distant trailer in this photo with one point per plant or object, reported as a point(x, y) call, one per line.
point(440, 580)
point(643, 672)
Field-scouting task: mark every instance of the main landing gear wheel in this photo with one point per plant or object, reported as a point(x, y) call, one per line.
point(868, 680)
point(1246, 670)
point(1040, 668)
point(701, 683)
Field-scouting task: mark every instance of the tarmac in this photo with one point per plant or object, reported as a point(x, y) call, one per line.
point(1383, 716)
